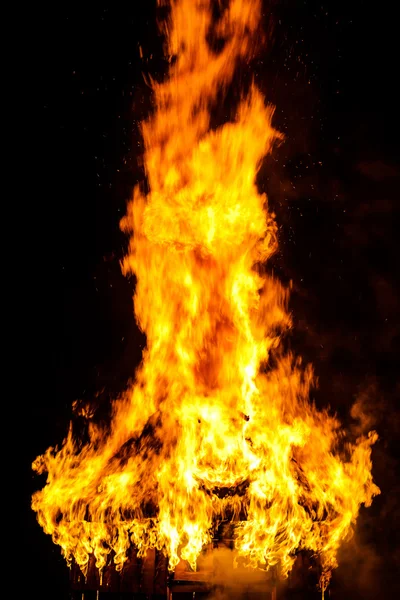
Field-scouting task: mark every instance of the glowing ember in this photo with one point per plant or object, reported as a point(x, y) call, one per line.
point(211, 428)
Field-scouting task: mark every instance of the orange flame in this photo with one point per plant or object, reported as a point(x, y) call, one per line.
point(211, 428)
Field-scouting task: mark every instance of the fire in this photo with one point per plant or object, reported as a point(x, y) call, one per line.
point(218, 423)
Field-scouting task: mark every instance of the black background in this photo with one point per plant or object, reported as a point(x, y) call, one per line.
point(330, 69)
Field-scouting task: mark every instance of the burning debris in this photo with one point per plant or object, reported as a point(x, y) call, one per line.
point(213, 430)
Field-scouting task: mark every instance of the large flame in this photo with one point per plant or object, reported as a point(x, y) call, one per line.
point(213, 427)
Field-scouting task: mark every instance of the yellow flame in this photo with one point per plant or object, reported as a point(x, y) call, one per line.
point(211, 429)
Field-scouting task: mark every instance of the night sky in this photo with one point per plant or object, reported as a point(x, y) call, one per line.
point(330, 69)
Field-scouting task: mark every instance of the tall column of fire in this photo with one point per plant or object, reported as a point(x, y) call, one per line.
point(211, 427)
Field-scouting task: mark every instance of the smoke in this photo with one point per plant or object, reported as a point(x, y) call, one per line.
point(230, 578)
point(371, 559)
point(368, 409)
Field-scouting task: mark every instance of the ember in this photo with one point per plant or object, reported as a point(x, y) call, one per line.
point(218, 426)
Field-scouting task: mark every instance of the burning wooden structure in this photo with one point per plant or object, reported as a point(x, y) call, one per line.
point(219, 574)
point(148, 577)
